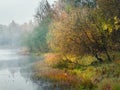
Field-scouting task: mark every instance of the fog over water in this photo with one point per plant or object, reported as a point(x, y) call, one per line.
point(16, 21)
point(15, 71)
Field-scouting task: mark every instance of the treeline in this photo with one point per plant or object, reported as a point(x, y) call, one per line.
point(36, 40)
point(11, 34)
point(78, 28)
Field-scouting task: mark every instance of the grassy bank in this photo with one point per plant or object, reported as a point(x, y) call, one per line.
point(79, 77)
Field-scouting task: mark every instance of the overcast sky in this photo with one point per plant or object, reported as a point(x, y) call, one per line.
point(18, 10)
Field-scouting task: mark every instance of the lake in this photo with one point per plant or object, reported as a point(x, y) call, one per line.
point(16, 71)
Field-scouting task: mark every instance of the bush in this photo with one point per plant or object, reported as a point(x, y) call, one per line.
point(109, 84)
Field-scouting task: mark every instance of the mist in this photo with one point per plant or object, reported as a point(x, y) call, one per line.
point(11, 35)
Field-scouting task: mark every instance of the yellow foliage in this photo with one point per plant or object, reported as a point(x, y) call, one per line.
point(52, 58)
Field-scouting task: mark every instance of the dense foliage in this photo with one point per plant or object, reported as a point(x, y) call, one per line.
point(86, 30)
point(36, 40)
point(84, 39)
point(78, 28)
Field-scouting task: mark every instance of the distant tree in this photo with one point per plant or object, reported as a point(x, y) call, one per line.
point(36, 40)
point(80, 3)
point(43, 11)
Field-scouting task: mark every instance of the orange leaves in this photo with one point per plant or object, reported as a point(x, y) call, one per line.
point(52, 58)
point(62, 77)
point(66, 33)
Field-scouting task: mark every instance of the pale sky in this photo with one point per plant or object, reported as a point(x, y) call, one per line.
point(18, 10)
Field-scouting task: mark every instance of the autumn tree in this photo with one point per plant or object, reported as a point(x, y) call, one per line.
point(86, 30)
point(105, 17)
point(66, 34)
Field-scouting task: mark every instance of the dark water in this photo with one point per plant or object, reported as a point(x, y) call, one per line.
point(15, 71)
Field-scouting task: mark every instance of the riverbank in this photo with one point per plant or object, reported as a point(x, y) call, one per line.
point(90, 77)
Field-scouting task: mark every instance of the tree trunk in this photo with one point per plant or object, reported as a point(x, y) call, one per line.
point(98, 58)
point(107, 54)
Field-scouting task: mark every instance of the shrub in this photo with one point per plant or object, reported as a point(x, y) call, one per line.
point(109, 84)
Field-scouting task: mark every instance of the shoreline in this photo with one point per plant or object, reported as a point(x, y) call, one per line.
point(90, 78)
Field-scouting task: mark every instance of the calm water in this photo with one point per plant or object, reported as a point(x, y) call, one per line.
point(15, 71)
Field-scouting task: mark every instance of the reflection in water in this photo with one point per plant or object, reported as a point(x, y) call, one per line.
point(15, 81)
point(15, 72)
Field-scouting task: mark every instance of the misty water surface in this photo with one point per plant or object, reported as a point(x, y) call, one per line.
point(16, 71)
